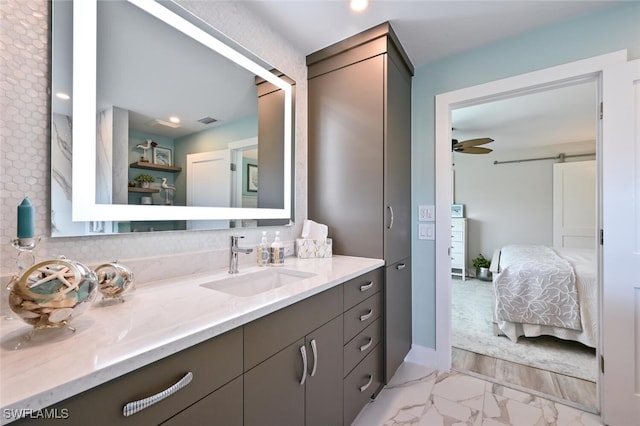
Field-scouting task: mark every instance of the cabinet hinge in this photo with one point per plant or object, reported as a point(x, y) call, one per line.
point(601, 110)
point(602, 237)
point(602, 364)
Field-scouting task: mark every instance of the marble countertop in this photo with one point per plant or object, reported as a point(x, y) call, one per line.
point(158, 319)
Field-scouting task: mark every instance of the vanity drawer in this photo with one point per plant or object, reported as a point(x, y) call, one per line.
point(222, 407)
point(361, 345)
point(456, 236)
point(457, 225)
point(213, 363)
point(360, 288)
point(268, 335)
point(362, 383)
point(360, 316)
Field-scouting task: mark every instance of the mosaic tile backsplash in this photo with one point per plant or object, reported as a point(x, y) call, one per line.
point(25, 142)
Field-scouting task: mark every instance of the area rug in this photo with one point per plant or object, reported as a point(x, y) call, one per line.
point(472, 330)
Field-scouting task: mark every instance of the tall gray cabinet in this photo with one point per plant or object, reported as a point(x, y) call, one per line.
point(359, 94)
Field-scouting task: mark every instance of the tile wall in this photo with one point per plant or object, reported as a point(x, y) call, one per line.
point(25, 139)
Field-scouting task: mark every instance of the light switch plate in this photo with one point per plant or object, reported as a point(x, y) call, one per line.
point(426, 231)
point(426, 213)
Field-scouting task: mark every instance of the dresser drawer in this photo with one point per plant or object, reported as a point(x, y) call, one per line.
point(212, 363)
point(360, 316)
point(457, 260)
point(457, 225)
point(362, 383)
point(457, 236)
point(457, 247)
point(361, 345)
point(362, 287)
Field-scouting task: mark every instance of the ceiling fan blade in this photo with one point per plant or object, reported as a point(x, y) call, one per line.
point(473, 150)
point(472, 142)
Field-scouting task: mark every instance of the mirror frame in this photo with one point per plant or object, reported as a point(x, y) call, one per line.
point(84, 206)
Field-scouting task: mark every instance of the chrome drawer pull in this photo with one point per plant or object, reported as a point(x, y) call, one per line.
point(367, 315)
point(303, 352)
point(366, 345)
point(401, 266)
point(366, 287)
point(314, 348)
point(391, 218)
point(132, 408)
point(364, 387)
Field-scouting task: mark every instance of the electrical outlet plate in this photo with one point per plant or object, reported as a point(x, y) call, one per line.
point(426, 213)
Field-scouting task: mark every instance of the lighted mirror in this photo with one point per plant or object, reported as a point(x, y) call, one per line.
point(155, 93)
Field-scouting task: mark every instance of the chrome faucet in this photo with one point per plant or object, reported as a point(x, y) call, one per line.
point(233, 258)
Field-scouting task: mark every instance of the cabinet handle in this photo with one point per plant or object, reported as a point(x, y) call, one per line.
point(364, 387)
point(401, 266)
point(314, 348)
point(366, 345)
point(391, 217)
point(303, 352)
point(366, 316)
point(366, 287)
point(132, 408)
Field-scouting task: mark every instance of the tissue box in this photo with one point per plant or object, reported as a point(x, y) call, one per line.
point(307, 248)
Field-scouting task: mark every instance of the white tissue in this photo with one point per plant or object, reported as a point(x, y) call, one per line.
point(314, 231)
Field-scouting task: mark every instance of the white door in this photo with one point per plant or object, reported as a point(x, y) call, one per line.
point(209, 185)
point(574, 204)
point(620, 392)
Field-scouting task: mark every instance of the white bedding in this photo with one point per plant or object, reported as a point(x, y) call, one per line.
point(583, 263)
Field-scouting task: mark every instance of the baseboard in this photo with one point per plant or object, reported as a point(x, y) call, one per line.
point(423, 356)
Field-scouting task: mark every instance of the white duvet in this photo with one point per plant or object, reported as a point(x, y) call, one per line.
point(583, 264)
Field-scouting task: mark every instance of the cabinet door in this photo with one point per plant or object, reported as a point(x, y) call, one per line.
point(397, 174)
point(324, 385)
point(397, 296)
point(273, 394)
point(346, 134)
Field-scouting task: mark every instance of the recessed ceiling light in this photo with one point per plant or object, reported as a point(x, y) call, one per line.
point(359, 5)
point(174, 119)
point(63, 96)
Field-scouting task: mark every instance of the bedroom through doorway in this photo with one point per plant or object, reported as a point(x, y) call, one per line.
point(524, 170)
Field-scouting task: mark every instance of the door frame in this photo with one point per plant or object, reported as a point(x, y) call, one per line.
point(444, 103)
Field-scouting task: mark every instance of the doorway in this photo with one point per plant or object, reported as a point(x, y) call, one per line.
point(506, 191)
point(595, 67)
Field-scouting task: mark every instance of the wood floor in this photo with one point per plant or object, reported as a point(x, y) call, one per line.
point(569, 390)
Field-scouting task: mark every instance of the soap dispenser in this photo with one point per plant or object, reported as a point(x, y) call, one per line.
point(277, 251)
point(263, 250)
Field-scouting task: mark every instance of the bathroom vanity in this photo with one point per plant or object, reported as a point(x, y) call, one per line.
point(307, 352)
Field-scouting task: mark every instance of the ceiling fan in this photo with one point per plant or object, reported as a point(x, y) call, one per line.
point(471, 146)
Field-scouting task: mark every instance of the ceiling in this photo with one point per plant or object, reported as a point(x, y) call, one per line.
point(428, 30)
point(432, 30)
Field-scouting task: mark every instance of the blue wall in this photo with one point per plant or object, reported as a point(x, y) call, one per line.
point(600, 32)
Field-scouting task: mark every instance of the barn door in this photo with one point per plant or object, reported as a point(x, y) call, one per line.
point(620, 391)
point(574, 204)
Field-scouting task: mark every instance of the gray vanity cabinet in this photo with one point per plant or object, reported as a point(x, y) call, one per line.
point(213, 363)
point(278, 389)
point(359, 94)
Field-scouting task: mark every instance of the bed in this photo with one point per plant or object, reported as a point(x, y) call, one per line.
point(539, 290)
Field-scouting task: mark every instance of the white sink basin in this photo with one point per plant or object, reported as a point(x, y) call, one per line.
point(254, 283)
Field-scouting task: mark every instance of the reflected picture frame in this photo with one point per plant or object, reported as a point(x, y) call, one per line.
point(252, 178)
point(162, 156)
point(457, 210)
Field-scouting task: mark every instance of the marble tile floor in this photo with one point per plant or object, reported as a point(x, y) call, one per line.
point(572, 391)
point(418, 395)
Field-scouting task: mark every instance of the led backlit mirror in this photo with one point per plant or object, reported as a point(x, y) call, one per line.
point(156, 91)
